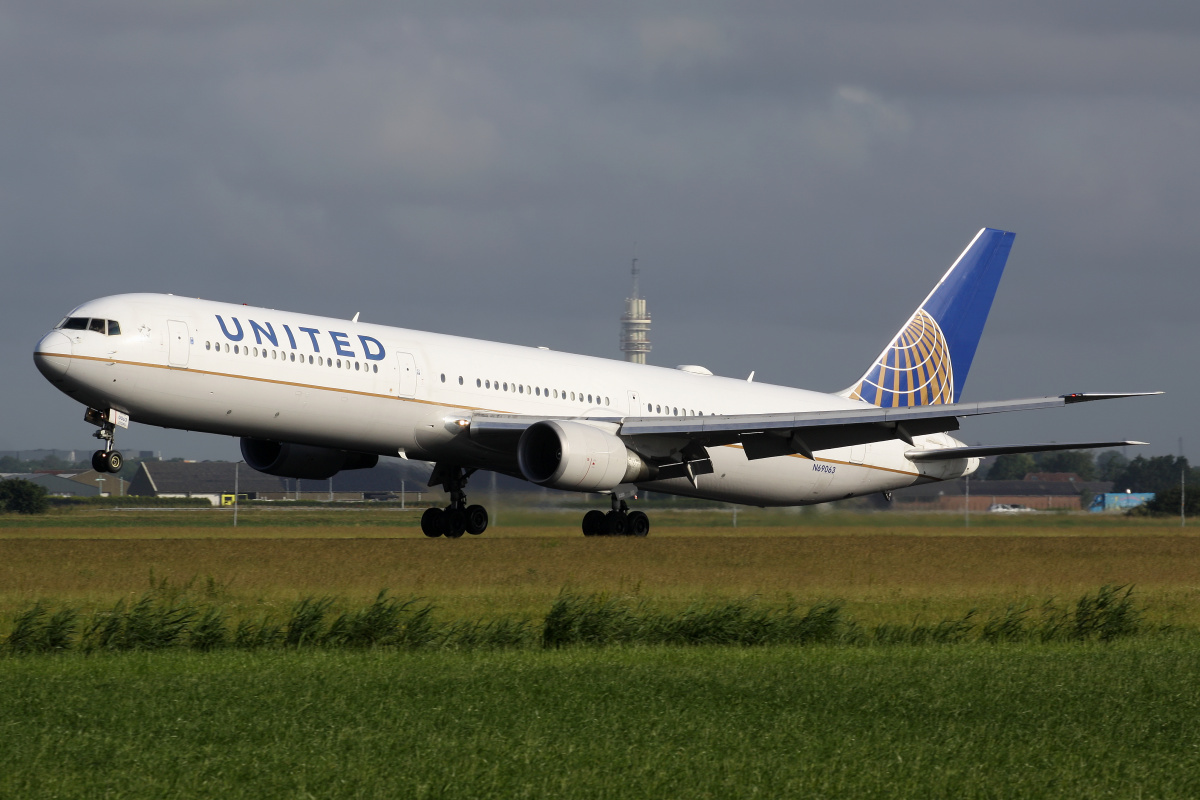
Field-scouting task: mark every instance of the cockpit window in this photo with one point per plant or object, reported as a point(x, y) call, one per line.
point(107, 326)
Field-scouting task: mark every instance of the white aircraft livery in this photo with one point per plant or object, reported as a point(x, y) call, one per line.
point(310, 396)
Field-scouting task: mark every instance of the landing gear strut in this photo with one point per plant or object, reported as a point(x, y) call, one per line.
point(618, 522)
point(107, 459)
point(457, 518)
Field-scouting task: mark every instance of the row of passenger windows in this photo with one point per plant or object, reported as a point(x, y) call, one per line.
point(109, 327)
point(563, 394)
point(535, 391)
point(280, 355)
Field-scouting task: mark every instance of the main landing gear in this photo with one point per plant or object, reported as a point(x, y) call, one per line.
point(457, 518)
point(618, 522)
point(108, 459)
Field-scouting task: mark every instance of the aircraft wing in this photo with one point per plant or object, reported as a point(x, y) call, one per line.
point(769, 435)
point(981, 451)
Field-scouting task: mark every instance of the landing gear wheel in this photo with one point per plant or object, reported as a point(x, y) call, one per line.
point(615, 523)
point(113, 461)
point(431, 522)
point(594, 523)
point(454, 523)
point(637, 524)
point(100, 461)
point(477, 520)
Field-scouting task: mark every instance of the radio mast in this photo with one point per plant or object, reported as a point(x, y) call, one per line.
point(635, 324)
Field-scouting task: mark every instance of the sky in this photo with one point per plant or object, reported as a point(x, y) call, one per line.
point(792, 177)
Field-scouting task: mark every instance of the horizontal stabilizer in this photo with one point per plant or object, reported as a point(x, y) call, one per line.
point(980, 451)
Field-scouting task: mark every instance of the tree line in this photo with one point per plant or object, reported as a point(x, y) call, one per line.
point(1154, 474)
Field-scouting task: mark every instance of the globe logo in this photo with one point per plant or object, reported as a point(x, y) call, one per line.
point(914, 370)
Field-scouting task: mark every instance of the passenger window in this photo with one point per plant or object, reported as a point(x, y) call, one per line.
point(235, 350)
point(208, 345)
point(114, 328)
point(374, 368)
point(96, 325)
point(356, 366)
point(460, 383)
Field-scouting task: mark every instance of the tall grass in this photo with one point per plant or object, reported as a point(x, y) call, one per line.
point(168, 618)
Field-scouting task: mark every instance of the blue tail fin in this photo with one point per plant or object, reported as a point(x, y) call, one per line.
point(928, 360)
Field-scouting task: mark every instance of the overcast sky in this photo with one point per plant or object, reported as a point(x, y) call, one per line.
point(793, 179)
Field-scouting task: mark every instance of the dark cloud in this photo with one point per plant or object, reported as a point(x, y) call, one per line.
point(793, 180)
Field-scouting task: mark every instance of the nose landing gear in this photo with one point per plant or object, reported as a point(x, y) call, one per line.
point(108, 459)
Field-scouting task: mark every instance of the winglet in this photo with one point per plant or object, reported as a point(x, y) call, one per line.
point(927, 362)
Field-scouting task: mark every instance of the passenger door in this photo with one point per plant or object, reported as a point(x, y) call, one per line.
point(178, 343)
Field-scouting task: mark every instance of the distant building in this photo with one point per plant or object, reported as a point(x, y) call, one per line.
point(57, 485)
point(212, 479)
point(1043, 495)
point(68, 456)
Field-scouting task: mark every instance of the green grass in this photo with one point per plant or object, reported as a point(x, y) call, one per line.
point(1027, 720)
point(168, 618)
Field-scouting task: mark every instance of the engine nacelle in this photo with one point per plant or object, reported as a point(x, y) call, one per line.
point(289, 460)
point(577, 456)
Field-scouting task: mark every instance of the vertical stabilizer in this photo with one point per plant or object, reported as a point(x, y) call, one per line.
point(928, 360)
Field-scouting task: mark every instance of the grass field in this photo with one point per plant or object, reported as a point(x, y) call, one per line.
point(883, 567)
point(1030, 719)
point(968, 721)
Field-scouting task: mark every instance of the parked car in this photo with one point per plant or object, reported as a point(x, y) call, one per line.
point(1008, 508)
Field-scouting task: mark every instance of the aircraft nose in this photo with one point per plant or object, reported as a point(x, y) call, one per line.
point(52, 355)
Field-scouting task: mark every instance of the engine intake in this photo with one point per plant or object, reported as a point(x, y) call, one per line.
point(288, 460)
point(578, 457)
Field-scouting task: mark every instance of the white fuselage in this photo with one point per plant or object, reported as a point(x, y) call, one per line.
point(254, 372)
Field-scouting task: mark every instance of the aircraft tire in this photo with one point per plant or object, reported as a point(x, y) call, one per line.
point(100, 461)
point(477, 520)
point(638, 524)
point(594, 523)
point(454, 523)
point(615, 523)
point(113, 461)
point(431, 522)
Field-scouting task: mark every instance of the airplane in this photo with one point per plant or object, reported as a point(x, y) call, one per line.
point(310, 396)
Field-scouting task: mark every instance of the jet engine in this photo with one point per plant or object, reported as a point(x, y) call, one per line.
point(578, 457)
point(289, 460)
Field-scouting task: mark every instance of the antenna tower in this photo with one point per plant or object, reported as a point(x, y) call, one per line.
point(635, 323)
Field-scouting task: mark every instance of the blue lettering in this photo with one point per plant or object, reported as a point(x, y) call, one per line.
point(268, 332)
point(291, 339)
point(340, 344)
point(225, 330)
point(367, 341)
point(312, 334)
